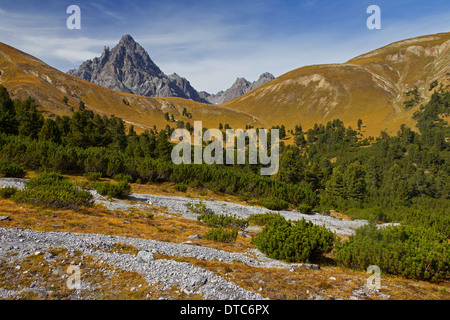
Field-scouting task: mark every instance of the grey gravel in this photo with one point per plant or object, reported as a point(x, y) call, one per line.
point(145, 257)
point(162, 272)
point(177, 205)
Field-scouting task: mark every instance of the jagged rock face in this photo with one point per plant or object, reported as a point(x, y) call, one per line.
point(240, 87)
point(129, 68)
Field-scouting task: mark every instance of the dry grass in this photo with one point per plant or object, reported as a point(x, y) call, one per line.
point(99, 220)
point(349, 91)
point(272, 283)
point(25, 76)
point(301, 284)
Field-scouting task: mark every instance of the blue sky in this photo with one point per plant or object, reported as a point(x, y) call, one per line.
point(211, 42)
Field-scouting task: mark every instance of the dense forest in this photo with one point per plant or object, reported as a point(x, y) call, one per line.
point(402, 178)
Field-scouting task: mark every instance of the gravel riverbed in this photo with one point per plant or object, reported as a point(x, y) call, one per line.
point(177, 205)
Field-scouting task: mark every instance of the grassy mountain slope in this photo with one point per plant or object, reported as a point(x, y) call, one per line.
point(24, 76)
point(371, 87)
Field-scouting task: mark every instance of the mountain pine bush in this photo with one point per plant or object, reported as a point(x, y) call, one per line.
point(7, 192)
point(412, 252)
point(114, 190)
point(212, 219)
point(53, 190)
point(10, 169)
point(221, 235)
point(273, 203)
point(261, 219)
point(297, 241)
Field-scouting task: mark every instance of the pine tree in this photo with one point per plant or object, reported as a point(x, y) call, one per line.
point(29, 119)
point(354, 181)
point(50, 131)
point(8, 123)
point(335, 186)
point(359, 124)
point(163, 146)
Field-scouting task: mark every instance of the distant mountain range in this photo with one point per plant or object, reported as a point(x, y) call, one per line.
point(129, 68)
point(372, 87)
point(238, 88)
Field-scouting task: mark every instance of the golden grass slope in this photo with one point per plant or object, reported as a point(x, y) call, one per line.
point(26, 76)
point(370, 87)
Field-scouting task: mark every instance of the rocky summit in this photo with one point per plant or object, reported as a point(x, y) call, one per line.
point(129, 68)
point(240, 86)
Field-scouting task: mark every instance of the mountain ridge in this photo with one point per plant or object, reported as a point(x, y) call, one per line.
point(26, 76)
point(239, 87)
point(128, 68)
point(372, 87)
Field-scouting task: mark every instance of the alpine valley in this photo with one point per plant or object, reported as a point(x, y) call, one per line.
point(124, 81)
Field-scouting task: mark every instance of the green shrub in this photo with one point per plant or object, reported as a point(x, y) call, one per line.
point(261, 219)
point(10, 169)
point(215, 220)
point(412, 252)
point(150, 215)
point(182, 187)
point(53, 190)
point(7, 192)
point(119, 190)
point(123, 177)
point(273, 203)
point(196, 208)
point(221, 235)
point(305, 208)
point(299, 241)
point(93, 176)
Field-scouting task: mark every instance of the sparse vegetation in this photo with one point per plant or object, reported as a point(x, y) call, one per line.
point(7, 192)
point(182, 187)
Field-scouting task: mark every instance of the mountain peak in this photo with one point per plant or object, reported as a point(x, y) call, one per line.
point(127, 39)
point(239, 87)
point(129, 68)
